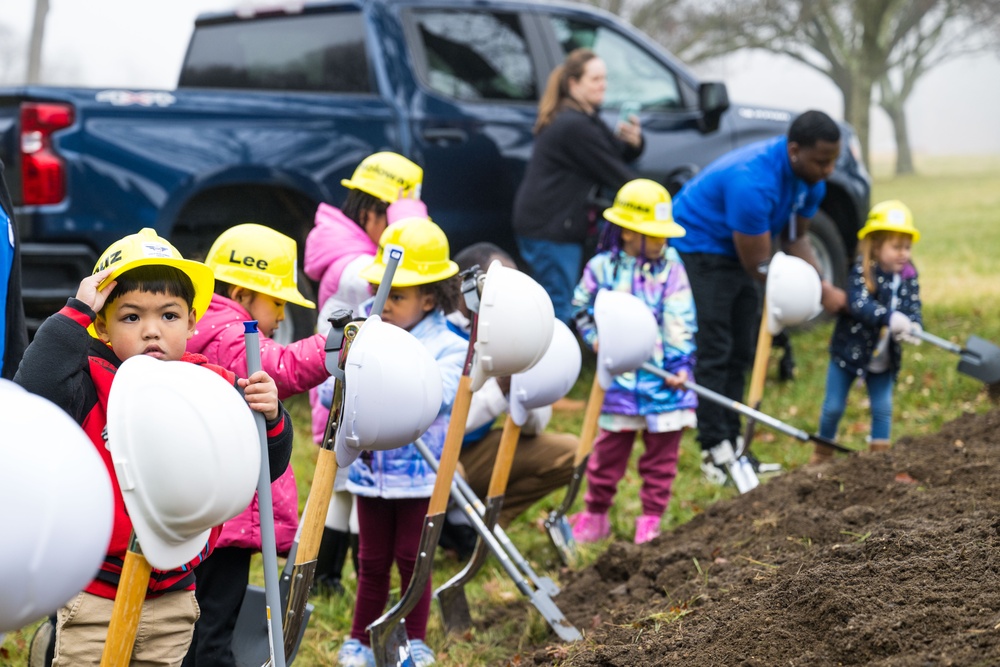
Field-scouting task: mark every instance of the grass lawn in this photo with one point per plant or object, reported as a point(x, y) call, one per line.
point(955, 203)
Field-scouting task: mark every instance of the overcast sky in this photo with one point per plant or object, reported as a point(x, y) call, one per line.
point(955, 109)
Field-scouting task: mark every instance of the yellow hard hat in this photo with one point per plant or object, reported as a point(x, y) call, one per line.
point(146, 248)
point(258, 258)
point(425, 254)
point(386, 176)
point(644, 206)
point(890, 216)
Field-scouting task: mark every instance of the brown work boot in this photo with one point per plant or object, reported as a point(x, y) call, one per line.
point(879, 445)
point(821, 454)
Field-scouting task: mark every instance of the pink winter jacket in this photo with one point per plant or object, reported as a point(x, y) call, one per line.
point(219, 335)
point(336, 250)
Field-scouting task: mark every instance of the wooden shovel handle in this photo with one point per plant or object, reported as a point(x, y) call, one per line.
point(314, 518)
point(590, 416)
point(452, 446)
point(127, 610)
point(763, 354)
point(505, 458)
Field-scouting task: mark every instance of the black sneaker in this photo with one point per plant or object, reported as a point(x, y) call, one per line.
point(458, 539)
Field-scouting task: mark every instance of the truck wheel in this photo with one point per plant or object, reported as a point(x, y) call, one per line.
point(829, 249)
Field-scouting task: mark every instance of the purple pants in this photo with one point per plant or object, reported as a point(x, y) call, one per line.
point(389, 531)
point(657, 467)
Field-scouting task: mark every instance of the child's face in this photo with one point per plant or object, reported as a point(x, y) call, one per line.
point(894, 253)
point(374, 224)
point(632, 244)
point(137, 322)
point(268, 311)
point(406, 306)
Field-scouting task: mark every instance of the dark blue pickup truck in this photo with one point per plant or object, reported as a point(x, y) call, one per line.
point(273, 108)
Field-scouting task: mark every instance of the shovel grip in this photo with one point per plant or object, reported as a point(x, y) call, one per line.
point(588, 431)
point(505, 458)
point(319, 499)
point(127, 610)
point(452, 446)
point(758, 376)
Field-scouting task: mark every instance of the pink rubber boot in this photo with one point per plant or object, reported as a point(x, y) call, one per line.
point(647, 527)
point(589, 527)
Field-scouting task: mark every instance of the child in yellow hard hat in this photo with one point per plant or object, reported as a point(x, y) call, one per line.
point(341, 243)
point(142, 299)
point(883, 309)
point(637, 258)
point(393, 487)
point(255, 277)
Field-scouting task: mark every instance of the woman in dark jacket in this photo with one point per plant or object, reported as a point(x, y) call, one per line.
point(574, 152)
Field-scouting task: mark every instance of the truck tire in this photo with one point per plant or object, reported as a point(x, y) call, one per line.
point(829, 249)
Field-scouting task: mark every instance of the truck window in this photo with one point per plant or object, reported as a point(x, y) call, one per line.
point(312, 52)
point(633, 74)
point(475, 55)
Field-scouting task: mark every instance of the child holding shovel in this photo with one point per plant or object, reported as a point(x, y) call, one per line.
point(143, 299)
point(883, 308)
point(635, 258)
point(340, 245)
point(255, 276)
point(394, 486)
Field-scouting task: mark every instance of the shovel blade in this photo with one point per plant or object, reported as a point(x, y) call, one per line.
point(391, 645)
point(250, 643)
point(455, 612)
point(742, 473)
point(561, 534)
point(981, 360)
point(565, 630)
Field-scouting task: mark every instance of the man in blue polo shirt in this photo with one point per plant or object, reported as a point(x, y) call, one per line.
point(13, 334)
point(733, 211)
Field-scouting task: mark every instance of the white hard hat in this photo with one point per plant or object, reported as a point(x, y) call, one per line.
point(793, 292)
point(56, 508)
point(393, 389)
point(626, 334)
point(515, 324)
point(547, 381)
point(186, 454)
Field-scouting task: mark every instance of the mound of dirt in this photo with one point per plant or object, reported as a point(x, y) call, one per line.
point(873, 559)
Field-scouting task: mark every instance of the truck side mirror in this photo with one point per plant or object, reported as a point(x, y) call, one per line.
point(713, 100)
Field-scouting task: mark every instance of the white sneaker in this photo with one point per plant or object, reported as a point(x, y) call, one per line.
point(712, 473)
point(355, 654)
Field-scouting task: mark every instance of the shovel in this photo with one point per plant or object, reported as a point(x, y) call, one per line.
point(127, 609)
point(388, 634)
point(757, 378)
point(747, 411)
point(338, 342)
point(275, 632)
point(979, 358)
point(560, 532)
point(451, 596)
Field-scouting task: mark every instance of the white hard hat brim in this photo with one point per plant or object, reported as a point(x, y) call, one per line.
point(548, 380)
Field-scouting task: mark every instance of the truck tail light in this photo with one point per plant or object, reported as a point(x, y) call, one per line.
point(43, 173)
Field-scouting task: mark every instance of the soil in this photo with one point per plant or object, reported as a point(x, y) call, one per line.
point(885, 559)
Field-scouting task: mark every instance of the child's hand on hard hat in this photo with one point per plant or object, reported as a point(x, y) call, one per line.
point(90, 294)
point(261, 393)
point(405, 207)
point(678, 380)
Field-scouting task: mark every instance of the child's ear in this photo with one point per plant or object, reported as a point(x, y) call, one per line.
point(101, 327)
point(427, 301)
point(192, 320)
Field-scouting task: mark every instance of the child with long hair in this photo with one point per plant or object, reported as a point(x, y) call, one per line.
point(883, 308)
point(637, 259)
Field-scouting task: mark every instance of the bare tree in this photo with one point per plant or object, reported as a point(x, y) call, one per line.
point(864, 46)
point(34, 73)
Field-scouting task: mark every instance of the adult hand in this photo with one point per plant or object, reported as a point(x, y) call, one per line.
point(833, 299)
point(631, 132)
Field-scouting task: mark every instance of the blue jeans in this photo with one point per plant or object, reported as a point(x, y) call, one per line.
point(838, 384)
point(557, 267)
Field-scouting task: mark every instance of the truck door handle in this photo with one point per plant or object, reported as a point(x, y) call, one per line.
point(445, 135)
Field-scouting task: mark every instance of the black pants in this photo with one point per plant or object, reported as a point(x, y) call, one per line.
point(221, 584)
point(728, 303)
